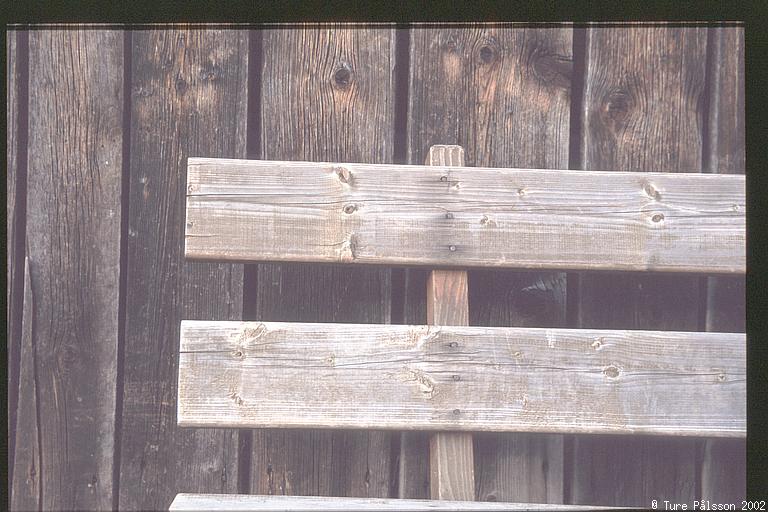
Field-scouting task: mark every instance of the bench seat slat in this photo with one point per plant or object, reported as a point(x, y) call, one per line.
point(270, 374)
point(438, 216)
point(241, 502)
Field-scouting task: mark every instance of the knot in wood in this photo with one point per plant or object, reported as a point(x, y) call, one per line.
point(617, 106)
point(658, 217)
point(251, 334)
point(611, 372)
point(489, 51)
point(142, 92)
point(350, 208)
point(210, 73)
point(342, 77)
point(651, 191)
point(236, 398)
point(344, 175)
point(487, 55)
point(450, 45)
point(553, 69)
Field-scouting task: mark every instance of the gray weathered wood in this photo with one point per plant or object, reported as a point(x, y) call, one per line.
point(724, 464)
point(452, 465)
point(14, 300)
point(271, 374)
point(27, 463)
point(11, 100)
point(726, 295)
point(504, 94)
point(327, 94)
point(459, 216)
point(73, 240)
point(528, 465)
point(642, 110)
point(451, 454)
point(189, 97)
point(211, 502)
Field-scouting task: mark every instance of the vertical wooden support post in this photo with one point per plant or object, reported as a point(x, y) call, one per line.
point(451, 459)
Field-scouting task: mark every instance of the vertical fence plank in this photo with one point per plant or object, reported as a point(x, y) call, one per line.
point(12, 71)
point(327, 95)
point(73, 239)
point(451, 454)
point(25, 482)
point(503, 94)
point(12, 185)
point(643, 110)
point(724, 464)
point(188, 98)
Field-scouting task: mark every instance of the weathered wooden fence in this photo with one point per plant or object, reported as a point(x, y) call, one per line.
point(100, 125)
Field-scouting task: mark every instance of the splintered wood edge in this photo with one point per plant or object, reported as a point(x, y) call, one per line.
point(243, 502)
point(448, 378)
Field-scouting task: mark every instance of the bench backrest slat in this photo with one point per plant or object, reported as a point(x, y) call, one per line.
point(264, 374)
point(271, 503)
point(464, 216)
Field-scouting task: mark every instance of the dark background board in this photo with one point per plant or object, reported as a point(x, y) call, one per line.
point(100, 124)
point(327, 94)
point(73, 208)
point(188, 98)
point(14, 244)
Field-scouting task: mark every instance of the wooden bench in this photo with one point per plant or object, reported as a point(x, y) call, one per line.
point(448, 377)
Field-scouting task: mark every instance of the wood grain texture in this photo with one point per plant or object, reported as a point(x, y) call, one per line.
point(504, 94)
point(189, 97)
point(261, 210)
point(452, 466)
point(461, 378)
point(73, 239)
point(25, 489)
point(243, 502)
point(724, 465)
point(11, 100)
point(327, 94)
point(14, 302)
point(451, 459)
point(528, 465)
point(643, 109)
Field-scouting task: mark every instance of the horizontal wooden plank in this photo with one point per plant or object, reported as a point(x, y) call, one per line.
point(247, 210)
point(324, 375)
point(327, 504)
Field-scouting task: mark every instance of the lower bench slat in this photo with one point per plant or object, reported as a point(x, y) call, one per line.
point(270, 374)
point(242, 502)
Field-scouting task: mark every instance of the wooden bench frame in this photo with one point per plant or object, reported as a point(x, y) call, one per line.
point(453, 216)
